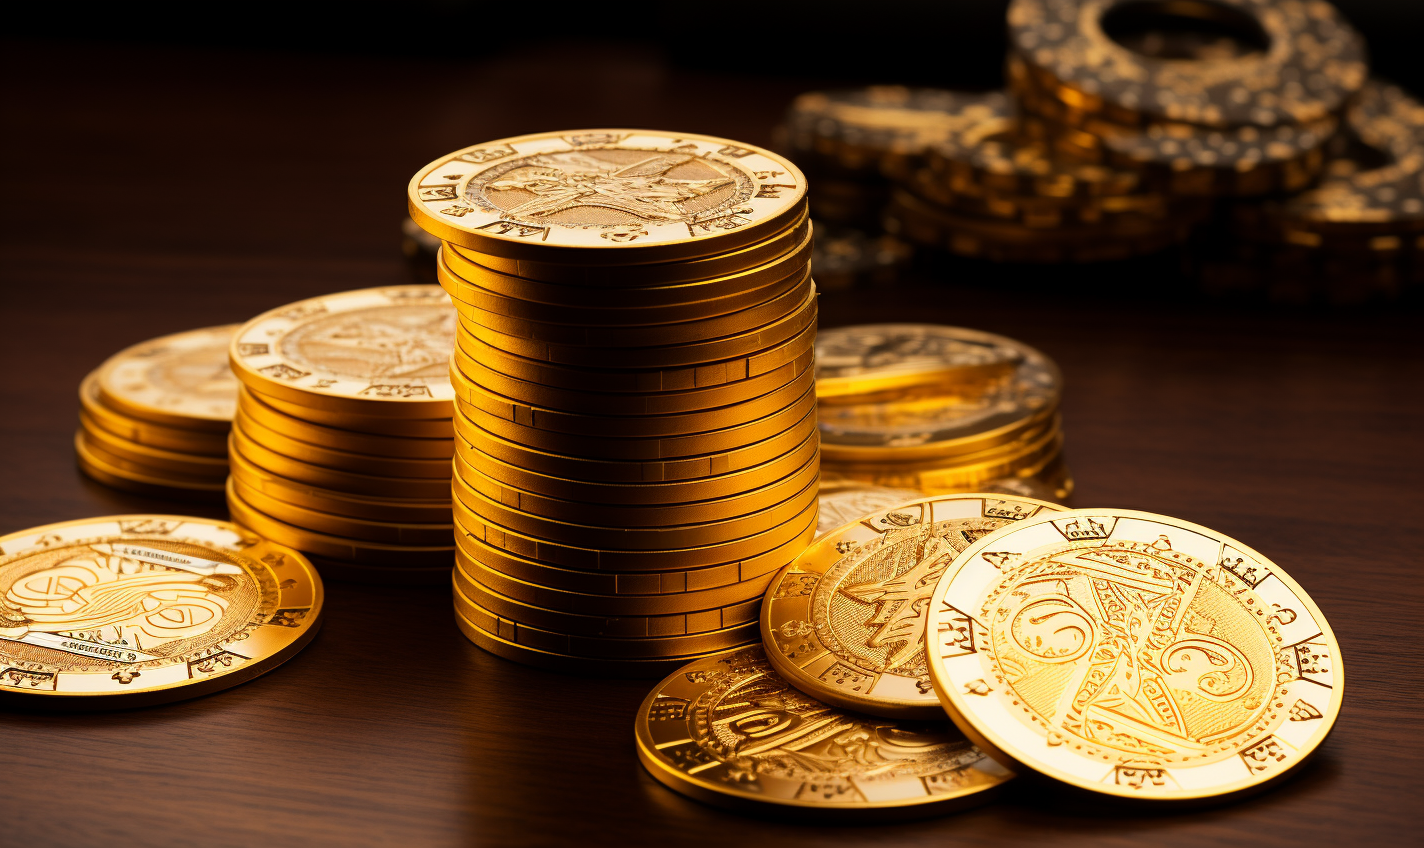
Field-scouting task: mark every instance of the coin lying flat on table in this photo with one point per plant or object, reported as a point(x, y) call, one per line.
point(729, 731)
point(846, 621)
point(1134, 655)
point(180, 380)
point(133, 610)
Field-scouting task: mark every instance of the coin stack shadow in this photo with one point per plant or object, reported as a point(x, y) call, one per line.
point(359, 481)
point(154, 420)
point(636, 449)
point(977, 412)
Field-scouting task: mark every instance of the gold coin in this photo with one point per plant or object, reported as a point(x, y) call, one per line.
point(315, 454)
point(786, 301)
point(382, 351)
point(845, 622)
point(638, 516)
point(622, 370)
point(1025, 461)
point(873, 358)
point(687, 491)
point(414, 428)
point(134, 610)
point(788, 400)
point(342, 504)
point(845, 501)
point(607, 197)
point(340, 548)
point(591, 403)
point(958, 421)
point(558, 600)
point(483, 443)
point(162, 461)
point(562, 304)
point(97, 467)
point(798, 529)
point(415, 488)
point(729, 731)
point(609, 284)
point(96, 454)
point(179, 380)
point(630, 626)
point(345, 441)
point(1134, 655)
point(177, 439)
point(613, 647)
point(389, 532)
point(737, 431)
point(637, 583)
point(561, 663)
point(624, 538)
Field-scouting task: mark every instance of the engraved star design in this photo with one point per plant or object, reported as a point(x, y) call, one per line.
point(575, 180)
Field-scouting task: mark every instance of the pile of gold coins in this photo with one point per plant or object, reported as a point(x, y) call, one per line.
point(636, 451)
point(938, 409)
point(917, 658)
point(342, 442)
point(154, 418)
point(1248, 128)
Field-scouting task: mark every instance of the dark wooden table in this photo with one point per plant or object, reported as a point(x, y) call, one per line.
point(152, 191)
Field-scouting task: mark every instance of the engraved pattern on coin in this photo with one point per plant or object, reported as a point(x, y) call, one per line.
point(184, 374)
point(384, 342)
point(1128, 644)
point(841, 507)
point(733, 725)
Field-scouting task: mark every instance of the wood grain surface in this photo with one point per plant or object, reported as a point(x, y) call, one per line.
point(148, 191)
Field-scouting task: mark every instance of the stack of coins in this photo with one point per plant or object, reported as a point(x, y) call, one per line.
point(991, 190)
point(853, 144)
point(154, 418)
point(1358, 234)
point(1240, 125)
point(939, 409)
point(1118, 652)
point(636, 449)
point(342, 443)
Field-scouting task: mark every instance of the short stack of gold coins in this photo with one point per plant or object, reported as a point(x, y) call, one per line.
point(154, 418)
point(342, 441)
point(939, 410)
point(636, 446)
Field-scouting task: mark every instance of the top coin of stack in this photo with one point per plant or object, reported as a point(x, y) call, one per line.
point(154, 417)
point(636, 449)
point(939, 410)
point(342, 442)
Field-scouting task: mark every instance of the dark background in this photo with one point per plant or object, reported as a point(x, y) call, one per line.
point(165, 171)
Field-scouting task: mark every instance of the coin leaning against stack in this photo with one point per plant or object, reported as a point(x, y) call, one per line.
point(154, 418)
point(939, 410)
point(342, 442)
point(636, 445)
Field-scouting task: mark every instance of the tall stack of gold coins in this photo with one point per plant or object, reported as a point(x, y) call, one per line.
point(939, 409)
point(636, 449)
point(154, 418)
point(342, 442)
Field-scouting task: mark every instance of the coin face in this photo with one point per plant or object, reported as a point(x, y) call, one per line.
point(728, 730)
point(668, 195)
point(851, 501)
point(846, 620)
point(1133, 654)
point(182, 378)
point(386, 350)
point(867, 357)
point(141, 609)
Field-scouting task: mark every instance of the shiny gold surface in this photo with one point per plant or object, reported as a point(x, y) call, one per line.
point(1134, 655)
point(133, 610)
point(845, 622)
point(179, 380)
point(729, 731)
